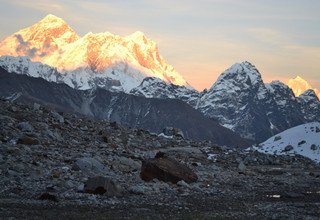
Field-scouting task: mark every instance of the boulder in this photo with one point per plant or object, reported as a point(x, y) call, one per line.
point(125, 164)
point(25, 126)
point(170, 131)
point(288, 148)
point(27, 140)
point(166, 169)
point(88, 164)
point(102, 185)
point(58, 117)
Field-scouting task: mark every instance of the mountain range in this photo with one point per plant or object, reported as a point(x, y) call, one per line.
point(129, 110)
point(239, 100)
point(126, 60)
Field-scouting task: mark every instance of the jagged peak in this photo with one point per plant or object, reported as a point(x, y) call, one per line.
point(278, 83)
point(309, 93)
point(243, 68)
point(50, 18)
point(139, 37)
point(299, 78)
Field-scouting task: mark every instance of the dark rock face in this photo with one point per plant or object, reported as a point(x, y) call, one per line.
point(310, 106)
point(239, 100)
point(49, 197)
point(289, 109)
point(128, 110)
point(27, 140)
point(166, 169)
point(156, 88)
point(102, 185)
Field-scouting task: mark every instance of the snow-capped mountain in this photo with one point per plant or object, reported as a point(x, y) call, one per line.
point(287, 104)
point(299, 85)
point(23, 65)
point(300, 140)
point(132, 111)
point(310, 105)
point(127, 60)
point(156, 88)
point(240, 101)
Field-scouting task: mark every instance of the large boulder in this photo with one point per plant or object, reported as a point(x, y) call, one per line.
point(102, 185)
point(88, 164)
point(174, 132)
point(166, 169)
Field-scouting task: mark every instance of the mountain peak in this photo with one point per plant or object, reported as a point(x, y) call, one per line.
point(309, 93)
point(52, 18)
point(300, 85)
point(240, 72)
point(126, 59)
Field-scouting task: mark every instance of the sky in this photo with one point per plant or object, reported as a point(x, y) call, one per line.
point(200, 38)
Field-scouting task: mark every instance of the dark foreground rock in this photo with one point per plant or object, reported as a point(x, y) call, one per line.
point(166, 169)
point(102, 185)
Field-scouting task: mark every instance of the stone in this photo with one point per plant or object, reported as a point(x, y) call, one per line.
point(48, 196)
point(242, 167)
point(166, 169)
point(102, 185)
point(58, 117)
point(182, 183)
point(314, 147)
point(288, 148)
point(125, 164)
point(28, 140)
point(36, 106)
point(25, 126)
point(137, 190)
point(170, 131)
point(88, 164)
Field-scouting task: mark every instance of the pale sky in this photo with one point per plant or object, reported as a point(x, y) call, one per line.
point(200, 38)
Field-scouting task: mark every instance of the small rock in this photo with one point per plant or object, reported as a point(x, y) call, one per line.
point(182, 183)
point(58, 117)
point(48, 196)
point(28, 140)
point(102, 185)
point(126, 164)
point(242, 167)
point(88, 164)
point(314, 147)
point(25, 126)
point(170, 131)
point(288, 148)
point(36, 106)
point(138, 190)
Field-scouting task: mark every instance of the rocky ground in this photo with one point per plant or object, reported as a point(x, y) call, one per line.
point(49, 161)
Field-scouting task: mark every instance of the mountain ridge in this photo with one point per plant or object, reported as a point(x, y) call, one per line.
point(129, 110)
point(126, 59)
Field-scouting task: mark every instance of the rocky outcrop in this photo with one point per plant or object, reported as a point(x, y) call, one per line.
point(310, 106)
point(166, 169)
point(102, 185)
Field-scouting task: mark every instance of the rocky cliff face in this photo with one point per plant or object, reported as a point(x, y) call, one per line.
point(310, 105)
point(128, 110)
